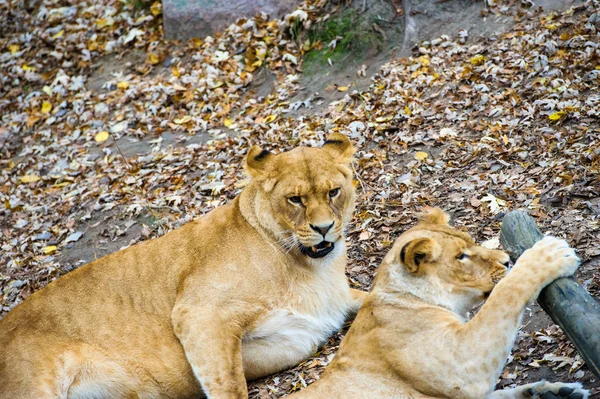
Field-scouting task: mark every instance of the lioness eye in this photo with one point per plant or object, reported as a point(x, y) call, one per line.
point(462, 256)
point(333, 193)
point(295, 200)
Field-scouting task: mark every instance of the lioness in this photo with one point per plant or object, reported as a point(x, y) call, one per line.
point(411, 339)
point(251, 288)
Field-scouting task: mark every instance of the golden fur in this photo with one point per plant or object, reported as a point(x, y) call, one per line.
point(412, 339)
point(230, 296)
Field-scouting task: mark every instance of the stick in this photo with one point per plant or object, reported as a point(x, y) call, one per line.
point(566, 302)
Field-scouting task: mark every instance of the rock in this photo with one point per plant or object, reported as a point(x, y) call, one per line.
point(185, 19)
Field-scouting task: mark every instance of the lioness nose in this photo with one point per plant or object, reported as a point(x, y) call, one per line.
point(322, 228)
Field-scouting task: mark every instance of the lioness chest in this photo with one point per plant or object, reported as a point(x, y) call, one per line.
point(291, 331)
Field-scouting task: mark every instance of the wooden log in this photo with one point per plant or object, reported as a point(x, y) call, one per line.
point(565, 301)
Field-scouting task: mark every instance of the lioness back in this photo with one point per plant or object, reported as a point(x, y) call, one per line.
point(170, 317)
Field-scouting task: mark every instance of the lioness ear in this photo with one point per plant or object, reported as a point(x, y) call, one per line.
point(340, 148)
point(435, 216)
point(258, 162)
point(414, 253)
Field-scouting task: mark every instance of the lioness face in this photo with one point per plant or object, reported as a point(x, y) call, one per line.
point(433, 248)
point(308, 193)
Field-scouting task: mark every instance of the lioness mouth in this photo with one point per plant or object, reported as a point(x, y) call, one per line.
point(319, 250)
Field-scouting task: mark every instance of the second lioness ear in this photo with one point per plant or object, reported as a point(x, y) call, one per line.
point(340, 147)
point(435, 216)
point(417, 252)
point(258, 162)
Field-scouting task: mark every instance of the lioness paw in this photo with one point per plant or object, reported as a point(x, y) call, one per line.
point(556, 390)
point(551, 255)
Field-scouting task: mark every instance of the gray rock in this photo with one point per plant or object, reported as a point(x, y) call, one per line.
point(185, 19)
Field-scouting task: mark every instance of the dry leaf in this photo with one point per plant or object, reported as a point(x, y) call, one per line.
point(123, 85)
point(46, 107)
point(342, 88)
point(181, 121)
point(153, 59)
point(101, 137)
point(421, 156)
point(30, 178)
point(50, 249)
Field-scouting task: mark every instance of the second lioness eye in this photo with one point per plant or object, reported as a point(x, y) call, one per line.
point(462, 256)
point(334, 193)
point(296, 200)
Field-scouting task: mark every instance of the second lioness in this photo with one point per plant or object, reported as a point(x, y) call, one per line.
point(247, 290)
point(412, 338)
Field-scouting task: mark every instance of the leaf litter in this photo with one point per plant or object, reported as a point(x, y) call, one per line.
point(479, 127)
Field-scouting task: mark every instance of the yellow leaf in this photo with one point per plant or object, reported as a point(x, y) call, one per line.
point(342, 88)
point(421, 156)
point(28, 68)
point(407, 110)
point(59, 34)
point(153, 59)
point(196, 42)
point(14, 48)
point(30, 179)
point(183, 120)
point(46, 107)
point(505, 139)
point(175, 71)
point(50, 249)
point(270, 118)
point(597, 67)
point(123, 85)
point(101, 23)
point(156, 8)
point(101, 137)
point(477, 60)
point(557, 116)
point(47, 90)
point(227, 122)
point(382, 119)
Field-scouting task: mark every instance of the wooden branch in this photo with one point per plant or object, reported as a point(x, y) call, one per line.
point(565, 301)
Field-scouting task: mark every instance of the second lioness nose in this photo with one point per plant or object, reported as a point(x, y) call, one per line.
point(322, 228)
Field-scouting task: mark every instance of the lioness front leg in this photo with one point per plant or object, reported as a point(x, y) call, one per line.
point(543, 390)
point(493, 330)
point(213, 348)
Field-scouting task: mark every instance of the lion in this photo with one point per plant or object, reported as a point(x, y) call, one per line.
point(251, 288)
point(412, 338)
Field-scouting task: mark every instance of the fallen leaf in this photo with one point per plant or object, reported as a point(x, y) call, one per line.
point(101, 137)
point(14, 48)
point(156, 8)
point(495, 203)
point(46, 107)
point(74, 237)
point(30, 178)
point(557, 116)
point(153, 59)
point(421, 156)
point(477, 60)
point(181, 121)
point(123, 85)
point(50, 249)
point(342, 88)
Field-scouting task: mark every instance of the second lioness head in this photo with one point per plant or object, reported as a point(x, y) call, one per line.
point(306, 195)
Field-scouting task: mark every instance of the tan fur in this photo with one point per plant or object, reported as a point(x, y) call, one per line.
point(412, 338)
point(227, 297)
